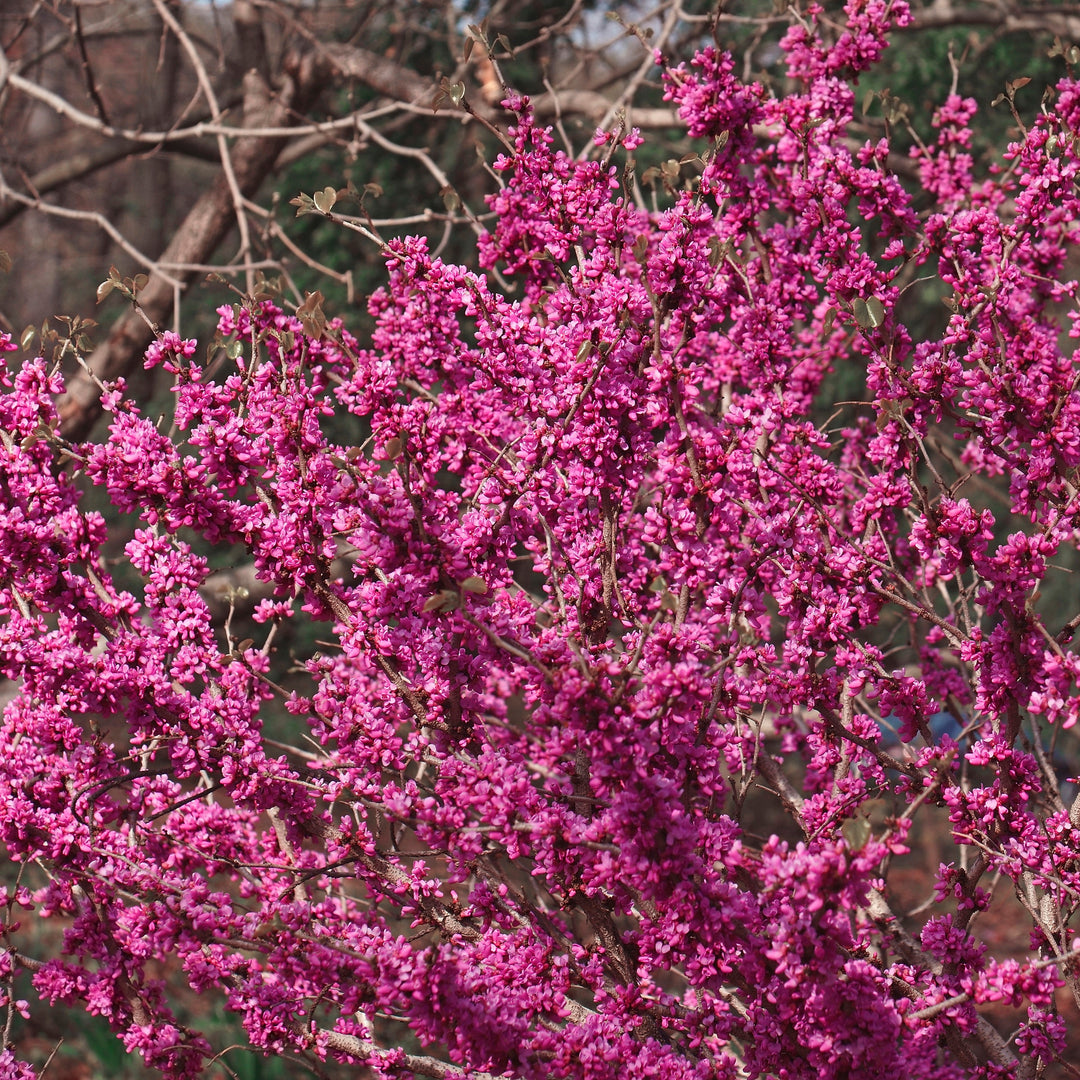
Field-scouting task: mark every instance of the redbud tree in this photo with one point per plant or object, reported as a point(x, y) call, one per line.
point(619, 571)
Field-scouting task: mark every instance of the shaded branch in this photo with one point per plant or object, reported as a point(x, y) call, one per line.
point(84, 163)
point(1060, 19)
point(205, 226)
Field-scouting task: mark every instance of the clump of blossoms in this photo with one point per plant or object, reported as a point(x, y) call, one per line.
point(619, 572)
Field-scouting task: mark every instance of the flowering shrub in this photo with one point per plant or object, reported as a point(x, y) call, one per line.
point(515, 816)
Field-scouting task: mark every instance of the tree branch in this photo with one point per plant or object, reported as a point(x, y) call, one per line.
point(205, 226)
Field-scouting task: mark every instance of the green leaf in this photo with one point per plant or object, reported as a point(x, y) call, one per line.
point(451, 200)
point(875, 309)
point(104, 289)
point(475, 585)
point(456, 92)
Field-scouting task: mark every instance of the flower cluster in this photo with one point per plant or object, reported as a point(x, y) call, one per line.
point(642, 658)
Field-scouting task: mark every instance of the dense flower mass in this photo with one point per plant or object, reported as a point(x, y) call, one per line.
point(642, 657)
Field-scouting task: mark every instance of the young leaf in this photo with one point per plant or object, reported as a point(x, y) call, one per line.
point(856, 832)
point(304, 204)
point(311, 315)
point(670, 170)
point(443, 600)
point(324, 200)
